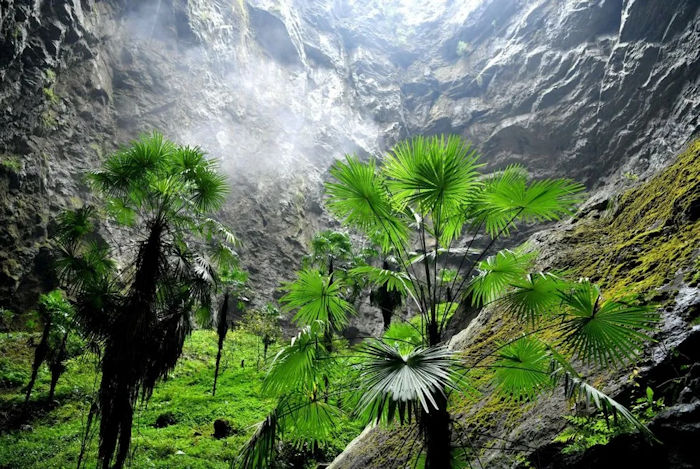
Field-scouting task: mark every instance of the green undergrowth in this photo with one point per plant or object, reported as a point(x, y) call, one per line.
point(50, 435)
point(584, 432)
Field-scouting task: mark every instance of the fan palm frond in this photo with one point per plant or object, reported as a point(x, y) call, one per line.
point(308, 416)
point(294, 365)
point(522, 368)
point(316, 297)
point(604, 331)
point(497, 273)
point(260, 450)
point(393, 382)
point(534, 296)
point(432, 173)
point(394, 281)
point(359, 199)
point(508, 197)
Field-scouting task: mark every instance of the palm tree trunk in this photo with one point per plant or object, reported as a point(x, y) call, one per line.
point(437, 435)
point(221, 329)
point(39, 357)
point(123, 366)
point(57, 366)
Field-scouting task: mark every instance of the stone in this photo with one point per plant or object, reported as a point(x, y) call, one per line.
point(222, 428)
point(165, 420)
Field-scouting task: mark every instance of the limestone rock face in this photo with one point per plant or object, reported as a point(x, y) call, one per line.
point(279, 90)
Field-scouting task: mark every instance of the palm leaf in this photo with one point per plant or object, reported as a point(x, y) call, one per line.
point(393, 382)
point(578, 390)
point(507, 197)
point(260, 451)
point(604, 331)
point(497, 273)
point(403, 336)
point(316, 297)
point(394, 281)
point(359, 199)
point(432, 174)
point(522, 368)
point(534, 296)
point(294, 365)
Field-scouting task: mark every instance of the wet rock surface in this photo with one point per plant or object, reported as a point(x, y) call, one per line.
point(588, 89)
point(605, 92)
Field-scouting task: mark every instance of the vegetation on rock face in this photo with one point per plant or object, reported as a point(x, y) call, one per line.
point(648, 235)
point(428, 194)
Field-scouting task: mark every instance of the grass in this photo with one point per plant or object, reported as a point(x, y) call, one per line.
point(49, 435)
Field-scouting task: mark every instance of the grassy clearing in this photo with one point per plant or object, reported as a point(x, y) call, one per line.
point(49, 435)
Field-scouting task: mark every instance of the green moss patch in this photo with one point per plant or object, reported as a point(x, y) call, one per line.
point(650, 236)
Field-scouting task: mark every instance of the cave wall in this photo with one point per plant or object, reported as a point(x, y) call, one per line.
point(279, 89)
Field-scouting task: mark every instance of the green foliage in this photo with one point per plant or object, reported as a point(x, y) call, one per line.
point(6, 319)
point(463, 48)
point(316, 297)
point(534, 297)
point(51, 95)
point(604, 331)
point(56, 432)
point(499, 272)
point(263, 323)
point(522, 368)
point(331, 246)
point(403, 336)
point(163, 193)
point(424, 196)
point(393, 382)
point(584, 432)
point(11, 162)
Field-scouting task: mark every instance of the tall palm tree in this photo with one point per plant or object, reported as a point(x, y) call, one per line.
point(428, 202)
point(161, 195)
point(233, 281)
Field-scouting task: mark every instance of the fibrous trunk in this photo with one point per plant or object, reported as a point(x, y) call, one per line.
point(39, 357)
point(437, 435)
point(221, 329)
point(124, 365)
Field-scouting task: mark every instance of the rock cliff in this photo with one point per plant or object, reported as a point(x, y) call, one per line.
point(603, 91)
point(278, 90)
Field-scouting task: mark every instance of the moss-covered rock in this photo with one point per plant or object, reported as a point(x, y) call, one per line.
point(642, 241)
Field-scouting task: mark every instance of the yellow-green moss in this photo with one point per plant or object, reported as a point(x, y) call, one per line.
point(650, 236)
point(11, 162)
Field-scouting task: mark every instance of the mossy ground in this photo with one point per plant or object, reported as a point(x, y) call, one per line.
point(50, 436)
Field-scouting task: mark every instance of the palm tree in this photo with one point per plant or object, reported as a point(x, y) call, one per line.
point(161, 195)
point(426, 203)
point(233, 281)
